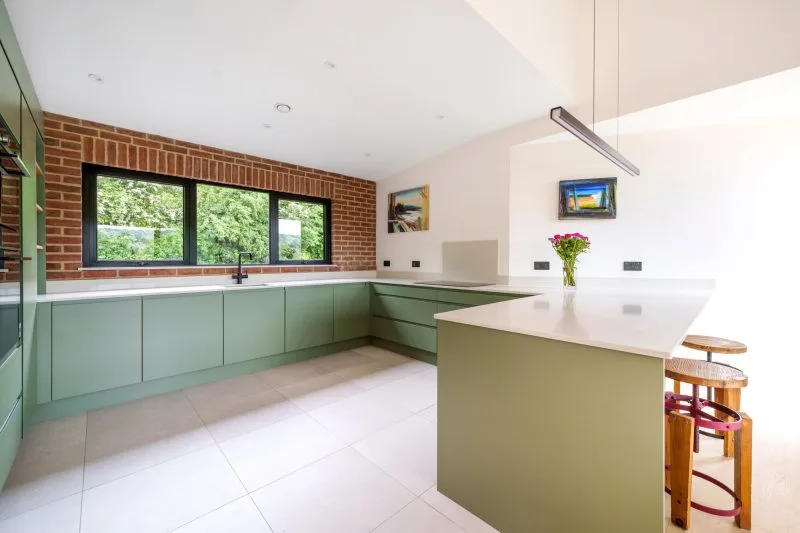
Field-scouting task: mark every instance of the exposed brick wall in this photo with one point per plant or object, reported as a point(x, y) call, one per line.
point(71, 141)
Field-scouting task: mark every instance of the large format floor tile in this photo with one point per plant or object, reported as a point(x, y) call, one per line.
point(238, 405)
point(416, 393)
point(342, 360)
point(241, 516)
point(319, 391)
point(48, 467)
point(262, 456)
point(127, 438)
point(406, 451)
point(359, 416)
point(163, 497)
point(341, 493)
point(463, 518)
point(62, 516)
point(288, 374)
point(418, 517)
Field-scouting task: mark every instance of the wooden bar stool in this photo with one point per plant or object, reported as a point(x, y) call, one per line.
point(710, 345)
point(726, 381)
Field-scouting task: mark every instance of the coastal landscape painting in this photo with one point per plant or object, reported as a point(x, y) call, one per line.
point(591, 198)
point(408, 210)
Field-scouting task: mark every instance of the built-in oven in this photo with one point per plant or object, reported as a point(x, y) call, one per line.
point(11, 172)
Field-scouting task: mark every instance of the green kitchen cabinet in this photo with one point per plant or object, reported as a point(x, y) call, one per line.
point(10, 382)
point(253, 324)
point(181, 333)
point(444, 308)
point(309, 316)
point(414, 335)
point(470, 298)
point(96, 345)
point(351, 311)
point(10, 437)
point(405, 309)
point(406, 291)
point(10, 99)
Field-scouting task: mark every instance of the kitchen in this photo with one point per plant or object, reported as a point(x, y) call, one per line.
point(253, 317)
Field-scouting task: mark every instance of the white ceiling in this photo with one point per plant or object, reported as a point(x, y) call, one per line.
point(210, 72)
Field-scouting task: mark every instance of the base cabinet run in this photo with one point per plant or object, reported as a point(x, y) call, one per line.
point(253, 324)
point(182, 333)
point(97, 345)
point(309, 317)
point(350, 311)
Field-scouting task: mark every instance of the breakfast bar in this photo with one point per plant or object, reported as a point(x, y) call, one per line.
point(550, 408)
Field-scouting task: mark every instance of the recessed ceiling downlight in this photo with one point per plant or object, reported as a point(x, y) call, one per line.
point(283, 108)
point(329, 64)
point(95, 78)
point(266, 126)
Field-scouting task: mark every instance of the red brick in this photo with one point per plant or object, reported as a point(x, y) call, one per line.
point(176, 149)
point(95, 274)
point(135, 273)
point(81, 130)
point(115, 137)
point(50, 133)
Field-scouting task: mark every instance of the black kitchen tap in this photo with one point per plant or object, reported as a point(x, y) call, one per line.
point(239, 276)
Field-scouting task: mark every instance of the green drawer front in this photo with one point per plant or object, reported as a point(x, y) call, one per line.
point(10, 437)
point(350, 311)
point(443, 308)
point(472, 298)
point(181, 334)
point(406, 309)
point(97, 345)
point(10, 383)
point(254, 324)
point(309, 317)
point(405, 291)
point(421, 337)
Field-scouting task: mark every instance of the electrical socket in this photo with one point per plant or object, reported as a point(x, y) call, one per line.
point(632, 266)
point(415, 264)
point(541, 265)
point(387, 263)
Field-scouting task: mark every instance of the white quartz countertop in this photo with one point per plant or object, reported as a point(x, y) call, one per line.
point(640, 321)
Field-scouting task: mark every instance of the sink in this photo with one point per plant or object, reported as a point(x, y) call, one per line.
point(249, 285)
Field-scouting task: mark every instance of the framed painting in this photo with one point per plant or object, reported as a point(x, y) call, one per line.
point(592, 198)
point(408, 210)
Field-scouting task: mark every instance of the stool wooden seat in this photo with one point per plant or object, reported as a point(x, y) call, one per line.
point(713, 344)
point(726, 381)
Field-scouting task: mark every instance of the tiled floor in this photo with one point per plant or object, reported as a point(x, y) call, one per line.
point(344, 443)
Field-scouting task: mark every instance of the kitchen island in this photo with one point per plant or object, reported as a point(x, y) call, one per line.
point(550, 408)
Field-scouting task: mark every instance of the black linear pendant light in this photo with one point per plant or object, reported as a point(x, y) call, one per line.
point(566, 120)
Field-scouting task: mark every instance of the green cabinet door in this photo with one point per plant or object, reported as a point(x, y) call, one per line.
point(253, 324)
point(444, 308)
point(181, 334)
point(350, 311)
point(405, 309)
point(10, 382)
point(10, 437)
point(309, 316)
point(97, 345)
point(414, 335)
point(10, 98)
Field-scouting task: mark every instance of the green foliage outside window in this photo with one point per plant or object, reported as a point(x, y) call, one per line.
point(310, 244)
point(230, 221)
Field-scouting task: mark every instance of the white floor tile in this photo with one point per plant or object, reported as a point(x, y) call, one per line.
point(62, 516)
point(127, 438)
point(359, 416)
point(415, 393)
point(287, 374)
point(241, 516)
point(341, 493)
point(319, 391)
point(48, 466)
point(418, 517)
point(430, 414)
point(162, 497)
point(463, 518)
point(235, 406)
point(382, 372)
point(406, 451)
point(262, 456)
point(342, 360)
point(379, 354)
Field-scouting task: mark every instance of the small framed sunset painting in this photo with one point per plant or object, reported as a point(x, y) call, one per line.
point(591, 198)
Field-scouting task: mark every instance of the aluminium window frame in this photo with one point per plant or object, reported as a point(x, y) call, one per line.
point(90, 173)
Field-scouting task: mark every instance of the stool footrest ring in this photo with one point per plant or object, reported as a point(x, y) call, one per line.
point(694, 407)
point(713, 510)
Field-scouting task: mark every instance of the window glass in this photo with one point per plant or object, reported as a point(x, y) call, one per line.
point(230, 221)
point(301, 230)
point(139, 220)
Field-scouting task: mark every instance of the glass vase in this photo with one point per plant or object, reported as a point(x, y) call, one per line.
point(569, 275)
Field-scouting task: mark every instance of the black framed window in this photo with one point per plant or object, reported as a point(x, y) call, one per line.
point(140, 219)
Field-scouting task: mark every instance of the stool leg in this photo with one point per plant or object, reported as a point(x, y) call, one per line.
point(676, 386)
point(696, 416)
point(719, 397)
point(733, 399)
point(681, 463)
point(708, 389)
point(667, 452)
point(743, 470)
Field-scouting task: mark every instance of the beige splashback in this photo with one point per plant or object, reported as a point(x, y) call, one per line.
point(470, 261)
